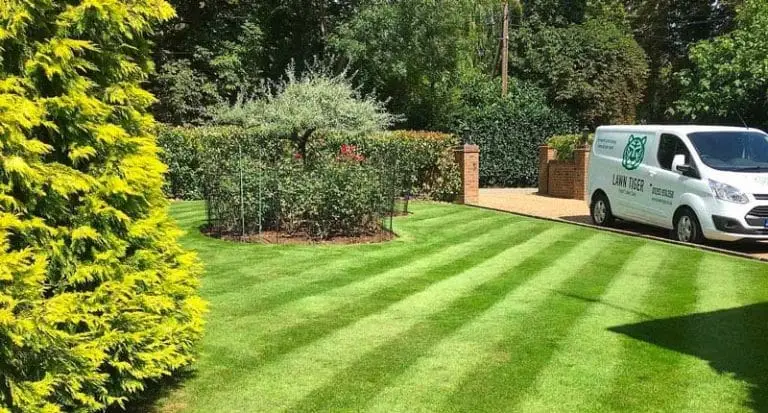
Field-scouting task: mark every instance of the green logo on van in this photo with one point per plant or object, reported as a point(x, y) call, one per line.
point(634, 152)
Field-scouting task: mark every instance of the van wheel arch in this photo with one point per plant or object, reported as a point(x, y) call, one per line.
point(697, 236)
point(600, 209)
point(597, 193)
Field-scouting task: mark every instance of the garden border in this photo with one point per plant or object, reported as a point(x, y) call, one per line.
point(631, 234)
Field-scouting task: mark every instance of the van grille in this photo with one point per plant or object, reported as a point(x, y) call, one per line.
point(761, 197)
point(761, 211)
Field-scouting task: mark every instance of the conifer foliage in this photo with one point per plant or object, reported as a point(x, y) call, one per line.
point(96, 296)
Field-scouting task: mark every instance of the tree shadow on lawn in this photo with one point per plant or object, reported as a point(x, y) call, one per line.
point(732, 341)
point(154, 391)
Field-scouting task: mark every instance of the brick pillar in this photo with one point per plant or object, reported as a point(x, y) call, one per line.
point(468, 159)
point(546, 154)
point(581, 158)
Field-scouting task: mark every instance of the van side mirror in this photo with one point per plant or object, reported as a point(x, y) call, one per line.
point(679, 165)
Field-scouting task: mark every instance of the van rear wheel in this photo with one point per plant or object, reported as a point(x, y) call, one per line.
point(687, 227)
point(600, 210)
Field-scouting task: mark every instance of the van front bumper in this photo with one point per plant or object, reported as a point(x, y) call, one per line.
point(727, 221)
point(734, 230)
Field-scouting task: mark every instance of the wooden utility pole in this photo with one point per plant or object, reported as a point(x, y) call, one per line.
point(505, 52)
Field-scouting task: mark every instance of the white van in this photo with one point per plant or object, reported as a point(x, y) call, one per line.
point(701, 182)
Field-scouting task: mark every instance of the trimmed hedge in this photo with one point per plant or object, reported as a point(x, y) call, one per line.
point(425, 158)
point(180, 151)
point(508, 130)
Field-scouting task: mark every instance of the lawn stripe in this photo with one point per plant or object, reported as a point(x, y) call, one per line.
point(709, 391)
point(588, 358)
point(352, 309)
point(428, 382)
point(280, 279)
point(649, 375)
point(298, 311)
point(330, 272)
point(514, 360)
point(285, 382)
point(363, 380)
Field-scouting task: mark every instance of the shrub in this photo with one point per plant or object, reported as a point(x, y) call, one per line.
point(565, 144)
point(424, 159)
point(180, 151)
point(96, 296)
point(314, 101)
point(508, 130)
point(341, 194)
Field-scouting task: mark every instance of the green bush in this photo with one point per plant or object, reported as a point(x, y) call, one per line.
point(341, 193)
point(180, 151)
point(424, 159)
point(97, 298)
point(565, 144)
point(508, 130)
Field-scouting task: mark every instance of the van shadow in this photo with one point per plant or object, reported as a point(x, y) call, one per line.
point(733, 341)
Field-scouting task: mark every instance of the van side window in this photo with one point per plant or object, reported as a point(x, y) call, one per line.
point(669, 146)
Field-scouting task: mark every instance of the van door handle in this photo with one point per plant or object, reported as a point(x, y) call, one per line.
point(652, 173)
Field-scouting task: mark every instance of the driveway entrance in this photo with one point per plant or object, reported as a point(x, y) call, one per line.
point(529, 202)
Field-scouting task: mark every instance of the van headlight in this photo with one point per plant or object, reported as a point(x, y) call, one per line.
point(727, 192)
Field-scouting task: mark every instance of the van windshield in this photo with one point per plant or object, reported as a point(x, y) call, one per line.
point(742, 151)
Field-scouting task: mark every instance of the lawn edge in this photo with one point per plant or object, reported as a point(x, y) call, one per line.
point(630, 234)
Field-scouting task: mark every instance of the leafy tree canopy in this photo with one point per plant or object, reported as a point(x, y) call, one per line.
point(313, 101)
point(729, 77)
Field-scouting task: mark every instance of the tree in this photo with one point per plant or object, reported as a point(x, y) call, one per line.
point(595, 69)
point(314, 101)
point(231, 47)
point(729, 77)
point(210, 53)
point(412, 51)
point(666, 29)
point(96, 295)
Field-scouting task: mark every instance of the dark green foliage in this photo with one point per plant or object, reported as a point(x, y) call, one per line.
point(425, 159)
point(413, 51)
point(666, 30)
point(184, 95)
point(595, 70)
point(729, 77)
point(217, 50)
point(508, 130)
point(181, 152)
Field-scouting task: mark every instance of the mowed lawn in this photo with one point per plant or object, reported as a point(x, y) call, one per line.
point(473, 310)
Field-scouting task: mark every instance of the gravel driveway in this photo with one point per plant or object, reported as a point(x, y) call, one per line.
point(527, 201)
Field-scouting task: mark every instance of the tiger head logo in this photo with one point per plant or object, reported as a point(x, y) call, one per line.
point(634, 152)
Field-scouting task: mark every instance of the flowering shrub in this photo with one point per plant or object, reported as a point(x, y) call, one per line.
point(349, 153)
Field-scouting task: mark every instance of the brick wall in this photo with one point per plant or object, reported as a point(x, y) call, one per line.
point(563, 179)
point(468, 159)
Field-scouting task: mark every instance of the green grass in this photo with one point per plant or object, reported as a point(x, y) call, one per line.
point(473, 310)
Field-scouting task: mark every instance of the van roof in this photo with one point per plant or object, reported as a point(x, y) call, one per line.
point(679, 129)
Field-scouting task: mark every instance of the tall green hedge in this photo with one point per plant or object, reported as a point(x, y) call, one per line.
point(96, 296)
point(508, 130)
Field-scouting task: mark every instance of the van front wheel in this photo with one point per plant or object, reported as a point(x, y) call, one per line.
point(601, 211)
point(687, 227)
